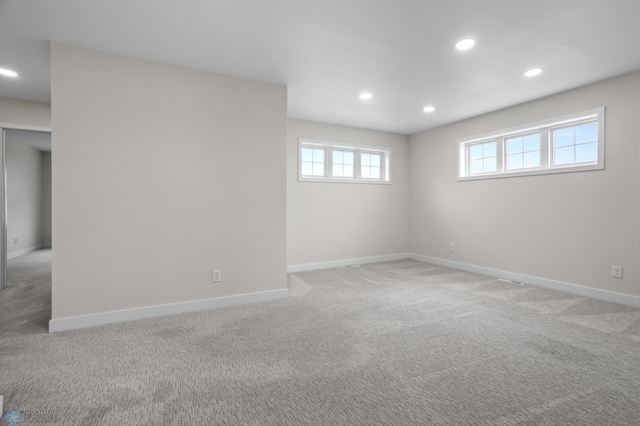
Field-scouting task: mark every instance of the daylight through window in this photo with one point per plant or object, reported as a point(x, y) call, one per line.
point(313, 162)
point(322, 161)
point(570, 143)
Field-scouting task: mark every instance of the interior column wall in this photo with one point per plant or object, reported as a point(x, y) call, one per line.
point(162, 174)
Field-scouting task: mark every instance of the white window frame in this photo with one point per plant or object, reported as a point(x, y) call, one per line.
point(545, 128)
point(330, 146)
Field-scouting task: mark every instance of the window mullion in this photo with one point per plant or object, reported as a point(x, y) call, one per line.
point(500, 157)
point(545, 149)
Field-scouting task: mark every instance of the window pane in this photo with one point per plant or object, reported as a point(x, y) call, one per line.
point(563, 137)
point(563, 155)
point(514, 162)
point(587, 133)
point(475, 152)
point(347, 157)
point(365, 159)
point(514, 145)
point(490, 164)
point(365, 172)
point(307, 169)
point(342, 171)
point(489, 149)
point(342, 163)
point(312, 163)
point(527, 155)
point(375, 160)
point(483, 157)
point(531, 159)
point(476, 166)
point(318, 169)
point(307, 154)
point(532, 142)
point(587, 153)
point(375, 172)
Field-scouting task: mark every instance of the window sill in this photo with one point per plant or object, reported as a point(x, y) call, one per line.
point(352, 181)
point(551, 171)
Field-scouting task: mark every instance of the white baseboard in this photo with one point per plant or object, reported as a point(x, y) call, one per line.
point(608, 296)
point(24, 251)
point(292, 269)
point(102, 318)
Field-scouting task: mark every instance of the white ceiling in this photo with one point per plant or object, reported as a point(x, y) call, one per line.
point(329, 51)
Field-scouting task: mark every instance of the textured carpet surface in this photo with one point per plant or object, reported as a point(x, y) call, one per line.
point(25, 305)
point(394, 343)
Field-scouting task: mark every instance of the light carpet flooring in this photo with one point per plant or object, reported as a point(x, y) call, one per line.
point(393, 343)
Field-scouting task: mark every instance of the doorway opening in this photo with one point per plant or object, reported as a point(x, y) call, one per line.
point(28, 191)
point(25, 229)
point(25, 213)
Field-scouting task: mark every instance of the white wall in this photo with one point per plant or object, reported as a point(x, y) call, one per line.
point(340, 221)
point(46, 198)
point(567, 227)
point(161, 174)
point(24, 113)
point(25, 196)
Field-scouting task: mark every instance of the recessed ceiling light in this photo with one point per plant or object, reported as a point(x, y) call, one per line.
point(8, 73)
point(429, 108)
point(533, 72)
point(465, 44)
point(366, 96)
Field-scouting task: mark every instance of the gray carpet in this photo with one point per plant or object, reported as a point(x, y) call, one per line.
point(25, 305)
point(394, 343)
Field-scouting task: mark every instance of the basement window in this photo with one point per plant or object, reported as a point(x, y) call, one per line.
point(571, 143)
point(324, 161)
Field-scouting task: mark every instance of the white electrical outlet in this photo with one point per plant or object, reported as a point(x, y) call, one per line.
point(216, 275)
point(15, 240)
point(616, 271)
point(450, 247)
